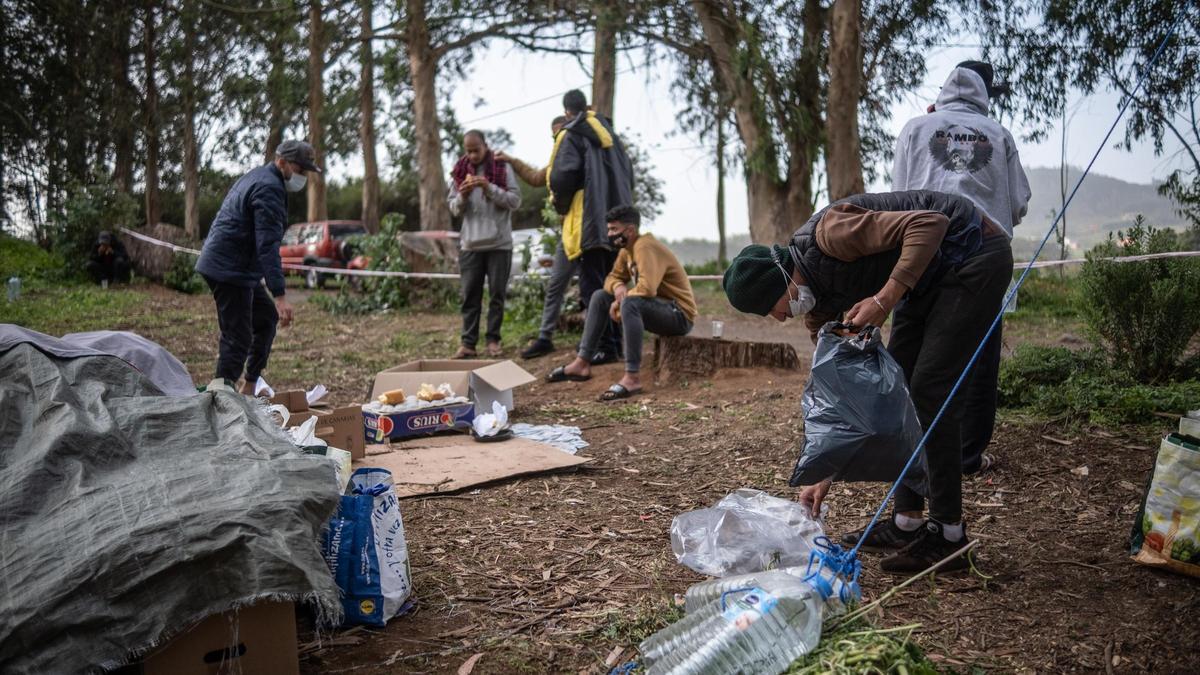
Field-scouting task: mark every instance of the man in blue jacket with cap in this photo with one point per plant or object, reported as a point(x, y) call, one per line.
point(240, 261)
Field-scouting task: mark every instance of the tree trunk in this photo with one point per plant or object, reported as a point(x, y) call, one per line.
point(767, 195)
point(435, 213)
point(316, 104)
point(191, 161)
point(275, 89)
point(366, 104)
point(604, 59)
point(843, 155)
point(125, 108)
point(150, 112)
point(722, 259)
point(804, 138)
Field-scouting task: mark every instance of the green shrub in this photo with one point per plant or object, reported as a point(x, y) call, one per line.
point(1081, 387)
point(705, 268)
point(29, 262)
point(182, 275)
point(90, 209)
point(1049, 293)
point(1145, 313)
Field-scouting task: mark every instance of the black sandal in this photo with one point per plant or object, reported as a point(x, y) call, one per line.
point(617, 392)
point(560, 374)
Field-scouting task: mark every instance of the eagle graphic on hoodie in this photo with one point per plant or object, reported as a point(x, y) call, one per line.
point(958, 149)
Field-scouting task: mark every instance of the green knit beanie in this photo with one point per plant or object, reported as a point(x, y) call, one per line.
point(754, 283)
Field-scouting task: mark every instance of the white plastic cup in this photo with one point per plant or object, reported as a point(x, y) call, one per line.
point(718, 328)
point(104, 284)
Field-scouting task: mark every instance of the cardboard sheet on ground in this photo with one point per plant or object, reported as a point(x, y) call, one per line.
point(446, 463)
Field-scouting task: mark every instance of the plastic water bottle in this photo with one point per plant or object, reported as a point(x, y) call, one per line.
point(701, 594)
point(14, 289)
point(761, 629)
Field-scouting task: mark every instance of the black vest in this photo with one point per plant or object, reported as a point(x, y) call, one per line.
point(838, 285)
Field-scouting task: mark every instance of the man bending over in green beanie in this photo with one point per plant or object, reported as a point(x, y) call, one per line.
point(942, 267)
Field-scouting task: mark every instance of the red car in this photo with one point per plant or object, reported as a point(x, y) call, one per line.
point(320, 244)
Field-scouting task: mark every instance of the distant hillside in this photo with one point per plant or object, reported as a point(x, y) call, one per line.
point(1103, 204)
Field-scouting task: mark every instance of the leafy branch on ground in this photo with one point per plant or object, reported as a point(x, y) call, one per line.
point(385, 252)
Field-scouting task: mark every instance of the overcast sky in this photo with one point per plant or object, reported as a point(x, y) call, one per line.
point(504, 78)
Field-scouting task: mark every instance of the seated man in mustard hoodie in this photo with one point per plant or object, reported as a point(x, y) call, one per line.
point(647, 290)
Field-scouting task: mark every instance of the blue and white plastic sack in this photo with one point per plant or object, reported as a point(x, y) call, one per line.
point(367, 552)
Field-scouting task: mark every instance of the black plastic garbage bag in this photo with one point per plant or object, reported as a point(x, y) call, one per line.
point(859, 422)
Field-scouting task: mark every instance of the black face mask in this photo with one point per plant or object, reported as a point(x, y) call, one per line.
point(618, 240)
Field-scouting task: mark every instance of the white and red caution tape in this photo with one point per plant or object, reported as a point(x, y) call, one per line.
point(691, 277)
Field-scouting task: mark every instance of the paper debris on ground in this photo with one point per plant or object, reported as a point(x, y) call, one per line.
point(490, 424)
point(565, 438)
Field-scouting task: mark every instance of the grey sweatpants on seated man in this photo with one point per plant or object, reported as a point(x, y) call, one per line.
point(657, 315)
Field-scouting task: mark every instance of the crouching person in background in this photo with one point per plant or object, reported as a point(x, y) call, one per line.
point(647, 289)
point(109, 261)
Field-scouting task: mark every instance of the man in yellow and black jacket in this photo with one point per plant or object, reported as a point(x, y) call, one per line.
point(589, 174)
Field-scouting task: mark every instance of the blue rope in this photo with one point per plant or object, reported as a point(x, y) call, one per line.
point(1008, 298)
point(624, 669)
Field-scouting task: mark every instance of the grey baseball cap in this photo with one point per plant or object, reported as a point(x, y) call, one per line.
point(299, 152)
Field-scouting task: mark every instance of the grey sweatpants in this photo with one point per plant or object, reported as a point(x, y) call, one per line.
point(556, 291)
point(638, 314)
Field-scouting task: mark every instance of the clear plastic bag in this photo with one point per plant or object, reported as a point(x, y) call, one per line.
point(859, 421)
point(747, 531)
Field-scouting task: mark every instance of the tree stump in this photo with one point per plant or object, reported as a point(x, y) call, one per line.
point(698, 356)
point(152, 260)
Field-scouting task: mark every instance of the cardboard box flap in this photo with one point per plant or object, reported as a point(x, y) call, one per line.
point(503, 375)
point(438, 365)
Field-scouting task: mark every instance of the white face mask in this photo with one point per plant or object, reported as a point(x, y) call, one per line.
point(296, 182)
point(803, 302)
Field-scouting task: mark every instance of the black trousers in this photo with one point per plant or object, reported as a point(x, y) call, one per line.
point(979, 403)
point(933, 338)
point(247, 318)
point(473, 266)
point(115, 270)
point(595, 264)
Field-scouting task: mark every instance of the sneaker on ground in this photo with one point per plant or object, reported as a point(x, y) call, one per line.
point(930, 548)
point(539, 347)
point(885, 536)
point(602, 357)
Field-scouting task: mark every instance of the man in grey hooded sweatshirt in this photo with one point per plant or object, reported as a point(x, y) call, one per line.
point(958, 149)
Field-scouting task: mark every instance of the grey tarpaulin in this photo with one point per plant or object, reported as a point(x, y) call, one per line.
point(859, 421)
point(151, 358)
point(126, 515)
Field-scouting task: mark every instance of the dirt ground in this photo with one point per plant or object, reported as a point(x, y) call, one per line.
point(559, 572)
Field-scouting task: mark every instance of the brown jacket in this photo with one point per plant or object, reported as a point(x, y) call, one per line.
point(848, 232)
point(656, 273)
point(533, 176)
